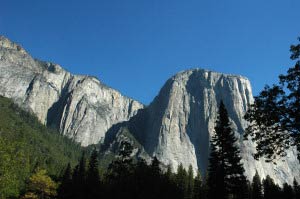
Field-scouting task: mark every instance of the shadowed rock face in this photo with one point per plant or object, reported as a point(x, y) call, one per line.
point(81, 107)
point(189, 114)
point(176, 127)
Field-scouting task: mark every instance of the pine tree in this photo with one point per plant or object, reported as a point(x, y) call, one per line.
point(296, 187)
point(82, 169)
point(205, 185)
point(271, 190)
point(120, 172)
point(142, 175)
point(93, 177)
point(123, 165)
point(79, 179)
point(155, 169)
point(155, 176)
point(197, 192)
point(256, 187)
point(287, 191)
point(169, 173)
point(190, 183)
point(216, 175)
point(226, 172)
point(181, 180)
point(65, 188)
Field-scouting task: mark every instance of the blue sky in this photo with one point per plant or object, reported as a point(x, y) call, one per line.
point(134, 46)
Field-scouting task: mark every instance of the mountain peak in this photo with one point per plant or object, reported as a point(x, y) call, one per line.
point(8, 44)
point(206, 72)
point(79, 106)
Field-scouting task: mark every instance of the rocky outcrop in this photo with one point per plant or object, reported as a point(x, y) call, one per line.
point(81, 107)
point(177, 126)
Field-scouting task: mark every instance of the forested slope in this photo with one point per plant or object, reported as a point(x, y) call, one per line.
point(26, 144)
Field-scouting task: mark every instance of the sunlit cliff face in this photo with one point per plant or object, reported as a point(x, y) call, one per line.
point(176, 127)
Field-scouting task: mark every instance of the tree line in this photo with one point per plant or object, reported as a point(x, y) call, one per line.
point(274, 117)
point(25, 145)
point(126, 177)
point(274, 126)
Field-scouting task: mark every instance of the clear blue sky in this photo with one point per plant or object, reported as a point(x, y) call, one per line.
point(134, 46)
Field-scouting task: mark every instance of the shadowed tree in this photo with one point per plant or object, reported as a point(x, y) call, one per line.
point(256, 187)
point(287, 191)
point(93, 177)
point(65, 188)
point(271, 190)
point(275, 115)
point(79, 179)
point(190, 183)
point(225, 173)
point(120, 173)
point(181, 180)
point(296, 188)
point(216, 175)
point(198, 192)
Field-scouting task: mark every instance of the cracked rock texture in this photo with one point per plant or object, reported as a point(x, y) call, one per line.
point(81, 107)
point(176, 127)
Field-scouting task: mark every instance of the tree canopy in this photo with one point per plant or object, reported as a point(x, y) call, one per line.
point(274, 116)
point(226, 172)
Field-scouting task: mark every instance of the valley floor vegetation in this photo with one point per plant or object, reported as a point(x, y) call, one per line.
point(38, 163)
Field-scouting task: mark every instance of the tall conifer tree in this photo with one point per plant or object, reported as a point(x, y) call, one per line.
point(79, 179)
point(190, 183)
point(198, 192)
point(65, 188)
point(181, 180)
point(287, 191)
point(93, 177)
point(296, 187)
point(226, 173)
point(271, 190)
point(256, 187)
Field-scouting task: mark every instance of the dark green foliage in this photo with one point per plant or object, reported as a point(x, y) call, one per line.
point(287, 191)
point(126, 179)
point(65, 188)
point(225, 173)
point(296, 187)
point(82, 171)
point(271, 190)
point(120, 172)
point(85, 181)
point(275, 115)
point(181, 180)
point(155, 170)
point(148, 181)
point(256, 187)
point(216, 175)
point(198, 188)
point(190, 183)
point(79, 179)
point(26, 144)
point(93, 177)
point(122, 166)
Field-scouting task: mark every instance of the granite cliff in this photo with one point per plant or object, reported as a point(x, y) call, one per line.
point(81, 107)
point(176, 127)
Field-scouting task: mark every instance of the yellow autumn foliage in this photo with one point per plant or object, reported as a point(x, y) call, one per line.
point(40, 186)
